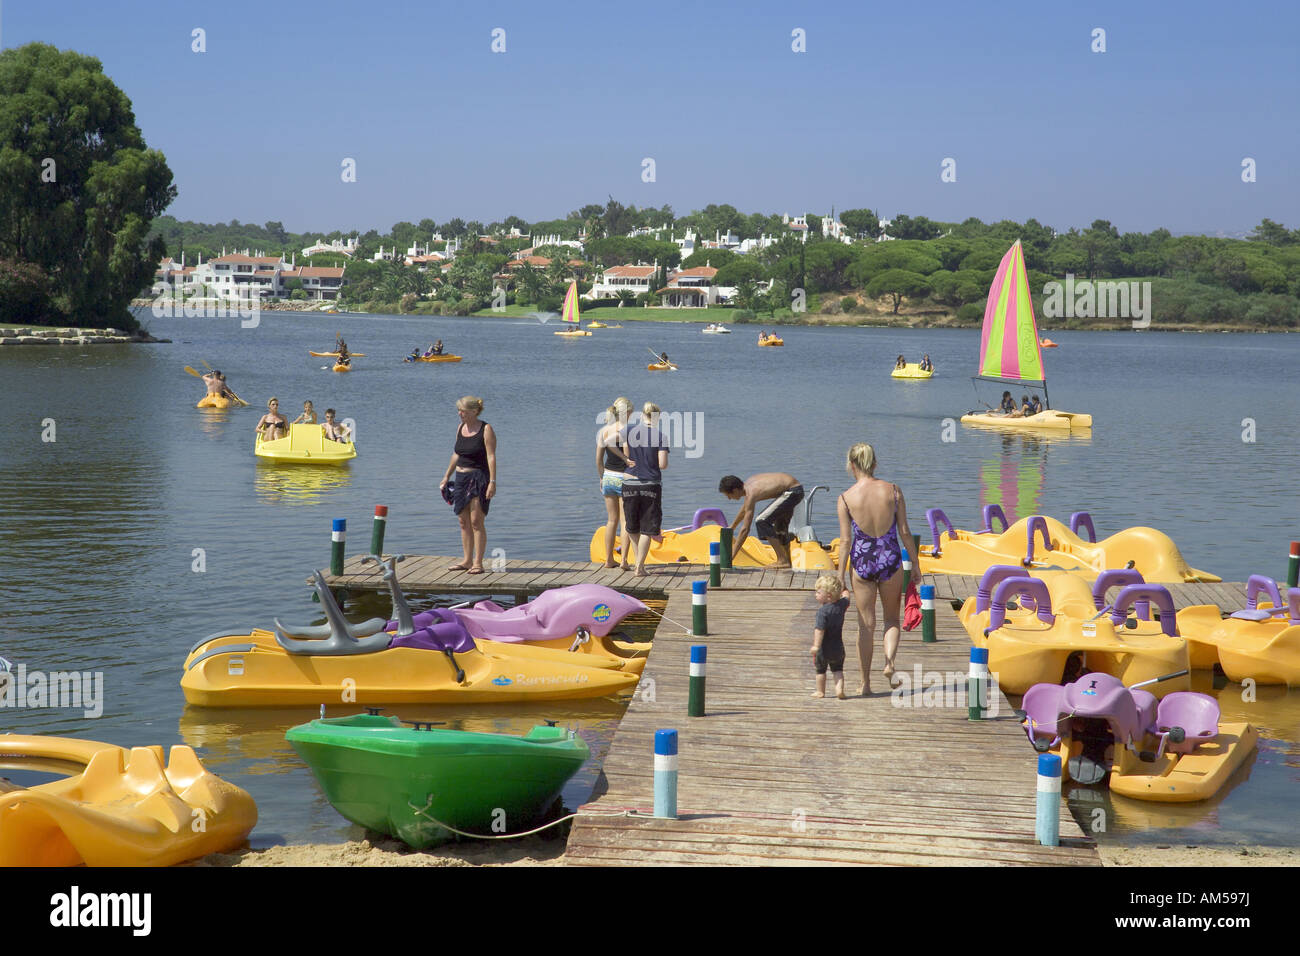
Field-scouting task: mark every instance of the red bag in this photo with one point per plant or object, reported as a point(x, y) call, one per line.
point(911, 607)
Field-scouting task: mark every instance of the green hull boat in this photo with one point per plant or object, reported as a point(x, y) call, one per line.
point(407, 782)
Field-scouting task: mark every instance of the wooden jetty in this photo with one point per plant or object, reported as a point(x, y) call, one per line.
point(772, 776)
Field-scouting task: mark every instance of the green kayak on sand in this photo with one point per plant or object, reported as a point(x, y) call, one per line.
point(408, 781)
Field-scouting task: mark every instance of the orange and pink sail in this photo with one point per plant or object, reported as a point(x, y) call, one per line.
point(569, 313)
point(1009, 349)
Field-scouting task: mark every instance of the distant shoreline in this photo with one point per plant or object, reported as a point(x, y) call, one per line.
point(926, 320)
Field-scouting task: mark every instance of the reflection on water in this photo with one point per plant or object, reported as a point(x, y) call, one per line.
point(298, 484)
point(1013, 477)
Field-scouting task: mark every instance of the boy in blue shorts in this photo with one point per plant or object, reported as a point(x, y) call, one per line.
point(828, 634)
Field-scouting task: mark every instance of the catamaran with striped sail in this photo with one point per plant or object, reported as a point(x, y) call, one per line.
point(569, 314)
point(1010, 353)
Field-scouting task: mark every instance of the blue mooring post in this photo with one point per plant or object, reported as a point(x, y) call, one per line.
point(928, 635)
point(666, 774)
point(715, 564)
point(699, 608)
point(337, 539)
point(695, 696)
point(1047, 828)
point(977, 683)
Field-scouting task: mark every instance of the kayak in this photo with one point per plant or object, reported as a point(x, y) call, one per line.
point(911, 370)
point(1065, 633)
point(1045, 542)
point(215, 401)
point(660, 367)
point(771, 340)
point(118, 808)
point(1260, 642)
point(1172, 750)
point(439, 358)
point(408, 782)
point(342, 367)
point(306, 444)
point(1048, 418)
point(1048, 344)
point(254, 669)
point(335, 354)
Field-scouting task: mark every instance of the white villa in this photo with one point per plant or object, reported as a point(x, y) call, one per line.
point(635, 279)
point(344, 247)
point(242, 277)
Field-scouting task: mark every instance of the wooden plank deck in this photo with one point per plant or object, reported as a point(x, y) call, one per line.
point(426, 574)
point(774, 777)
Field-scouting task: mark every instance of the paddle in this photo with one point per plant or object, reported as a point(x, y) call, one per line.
point(671, 366)
point(227, 387)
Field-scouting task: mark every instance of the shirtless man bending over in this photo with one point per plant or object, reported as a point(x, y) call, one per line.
point(784, 492)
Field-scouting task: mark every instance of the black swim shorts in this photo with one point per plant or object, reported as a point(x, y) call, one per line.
point(775, 519)
point(643, 508)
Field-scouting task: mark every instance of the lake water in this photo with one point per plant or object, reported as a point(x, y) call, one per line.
point(98, 528)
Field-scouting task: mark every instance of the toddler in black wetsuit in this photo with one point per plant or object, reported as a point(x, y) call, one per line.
point(828, 634)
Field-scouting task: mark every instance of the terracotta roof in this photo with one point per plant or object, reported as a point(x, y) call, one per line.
point(537, 262)
point(638, 272)
point(321, 272)
point(699, 272)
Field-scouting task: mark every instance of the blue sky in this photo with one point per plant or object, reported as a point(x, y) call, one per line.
point(1150, 133)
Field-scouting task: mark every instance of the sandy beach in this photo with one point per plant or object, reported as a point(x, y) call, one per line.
point(534, 851)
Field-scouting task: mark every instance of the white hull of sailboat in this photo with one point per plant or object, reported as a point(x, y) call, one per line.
point(1050, 418)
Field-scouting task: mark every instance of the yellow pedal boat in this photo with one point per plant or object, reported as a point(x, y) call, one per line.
point(1171, 750)
point(254, 670)
point(911, 370)
point(1050, 418)
point(118, 808)
point(305, 444)
point(1044, 542)
point(1260, 642)
point(1062, 632)
point(769, 341)
point(690, 545)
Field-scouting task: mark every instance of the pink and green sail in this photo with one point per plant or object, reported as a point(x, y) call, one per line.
point(1009, 349)
point(570, 311)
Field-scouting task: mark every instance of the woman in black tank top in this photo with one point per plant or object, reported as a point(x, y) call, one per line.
point(474, 463)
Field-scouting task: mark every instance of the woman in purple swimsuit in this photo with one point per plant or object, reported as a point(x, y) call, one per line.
point(873, 520)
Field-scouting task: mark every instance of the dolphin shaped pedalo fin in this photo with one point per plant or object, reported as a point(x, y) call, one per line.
point(401, 610)
point(338, 638)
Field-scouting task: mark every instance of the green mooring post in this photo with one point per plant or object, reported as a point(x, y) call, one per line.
point(338, 539)
point(725, 537)
point(1293, 565)
point(377, 531)
point(695, 697)
point(699, 608)
point(928, 635)
point(715, 565)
